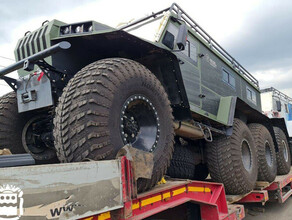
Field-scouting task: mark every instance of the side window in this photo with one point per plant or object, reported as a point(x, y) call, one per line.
point(168, 40)
point(251, 95)
point(228, 78)
point(279, 105)
point(191, 49)
point(286, 108)
point(186, 51)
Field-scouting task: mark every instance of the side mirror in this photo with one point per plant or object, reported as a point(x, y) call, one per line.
point(181, 38)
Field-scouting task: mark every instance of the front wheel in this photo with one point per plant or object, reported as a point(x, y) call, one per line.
point(25, 132)
point(111, 103)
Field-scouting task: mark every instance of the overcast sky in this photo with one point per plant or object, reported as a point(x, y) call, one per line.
point(256, 32)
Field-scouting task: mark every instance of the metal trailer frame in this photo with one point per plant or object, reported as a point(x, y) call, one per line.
point(210, 196)
point(107, 190)
point(277, 191)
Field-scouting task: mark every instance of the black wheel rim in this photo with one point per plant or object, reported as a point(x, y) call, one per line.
point(139, 123)
point(32, 136)
point(246, 155)
point(268, 152)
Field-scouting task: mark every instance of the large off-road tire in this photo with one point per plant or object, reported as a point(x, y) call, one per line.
point(13, 130)
point(232, 160)
point(182, 164)
point(283, 155)
point(108, 104)
point(11, 124)
point(267, 164)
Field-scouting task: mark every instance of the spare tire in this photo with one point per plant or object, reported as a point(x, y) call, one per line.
point(232, 160)
point(283, 155)
point(111, 103)
point(267, 165)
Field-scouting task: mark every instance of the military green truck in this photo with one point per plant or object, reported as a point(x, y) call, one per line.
point(160, 84)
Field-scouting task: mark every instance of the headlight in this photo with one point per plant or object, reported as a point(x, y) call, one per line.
point(66, 30)
point(78, 29)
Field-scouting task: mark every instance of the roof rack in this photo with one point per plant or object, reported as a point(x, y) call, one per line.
point(204, 35)
point(278, 93)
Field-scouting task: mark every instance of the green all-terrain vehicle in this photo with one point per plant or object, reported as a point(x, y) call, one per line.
point(161, 84)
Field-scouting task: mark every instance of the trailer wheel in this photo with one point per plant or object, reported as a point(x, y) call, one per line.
point(283, 155)
point(11, 124)
point(232, 160)
point(182, 164)
point(111, 103)
point(267, 165)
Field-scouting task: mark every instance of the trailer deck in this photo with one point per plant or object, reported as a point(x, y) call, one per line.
point(100, 190)
point(106, 190)
point(279, 190)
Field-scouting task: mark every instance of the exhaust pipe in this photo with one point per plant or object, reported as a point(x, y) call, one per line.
point(188, 131)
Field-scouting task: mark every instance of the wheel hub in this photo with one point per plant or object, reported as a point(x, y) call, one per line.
point(37, 135)
point(246, 155)
point(268, 152)
point(139, 123)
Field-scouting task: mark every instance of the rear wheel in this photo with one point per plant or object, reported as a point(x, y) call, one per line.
point(232, 160)
point(283, 155)
point(111, 103)
point(182, 164)
point(266, 154)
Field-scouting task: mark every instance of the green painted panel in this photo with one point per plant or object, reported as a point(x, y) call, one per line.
point(223, 114)
point(36, 41)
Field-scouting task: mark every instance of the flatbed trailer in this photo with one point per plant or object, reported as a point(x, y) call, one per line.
point(106, 190)
point(100, 190)
point(277, 191)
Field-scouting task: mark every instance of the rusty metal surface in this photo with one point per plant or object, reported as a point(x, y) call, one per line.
point(142, 161)
point(5, 151)
point(66, 191)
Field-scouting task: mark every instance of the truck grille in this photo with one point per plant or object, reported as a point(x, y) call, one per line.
point(32, 43)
